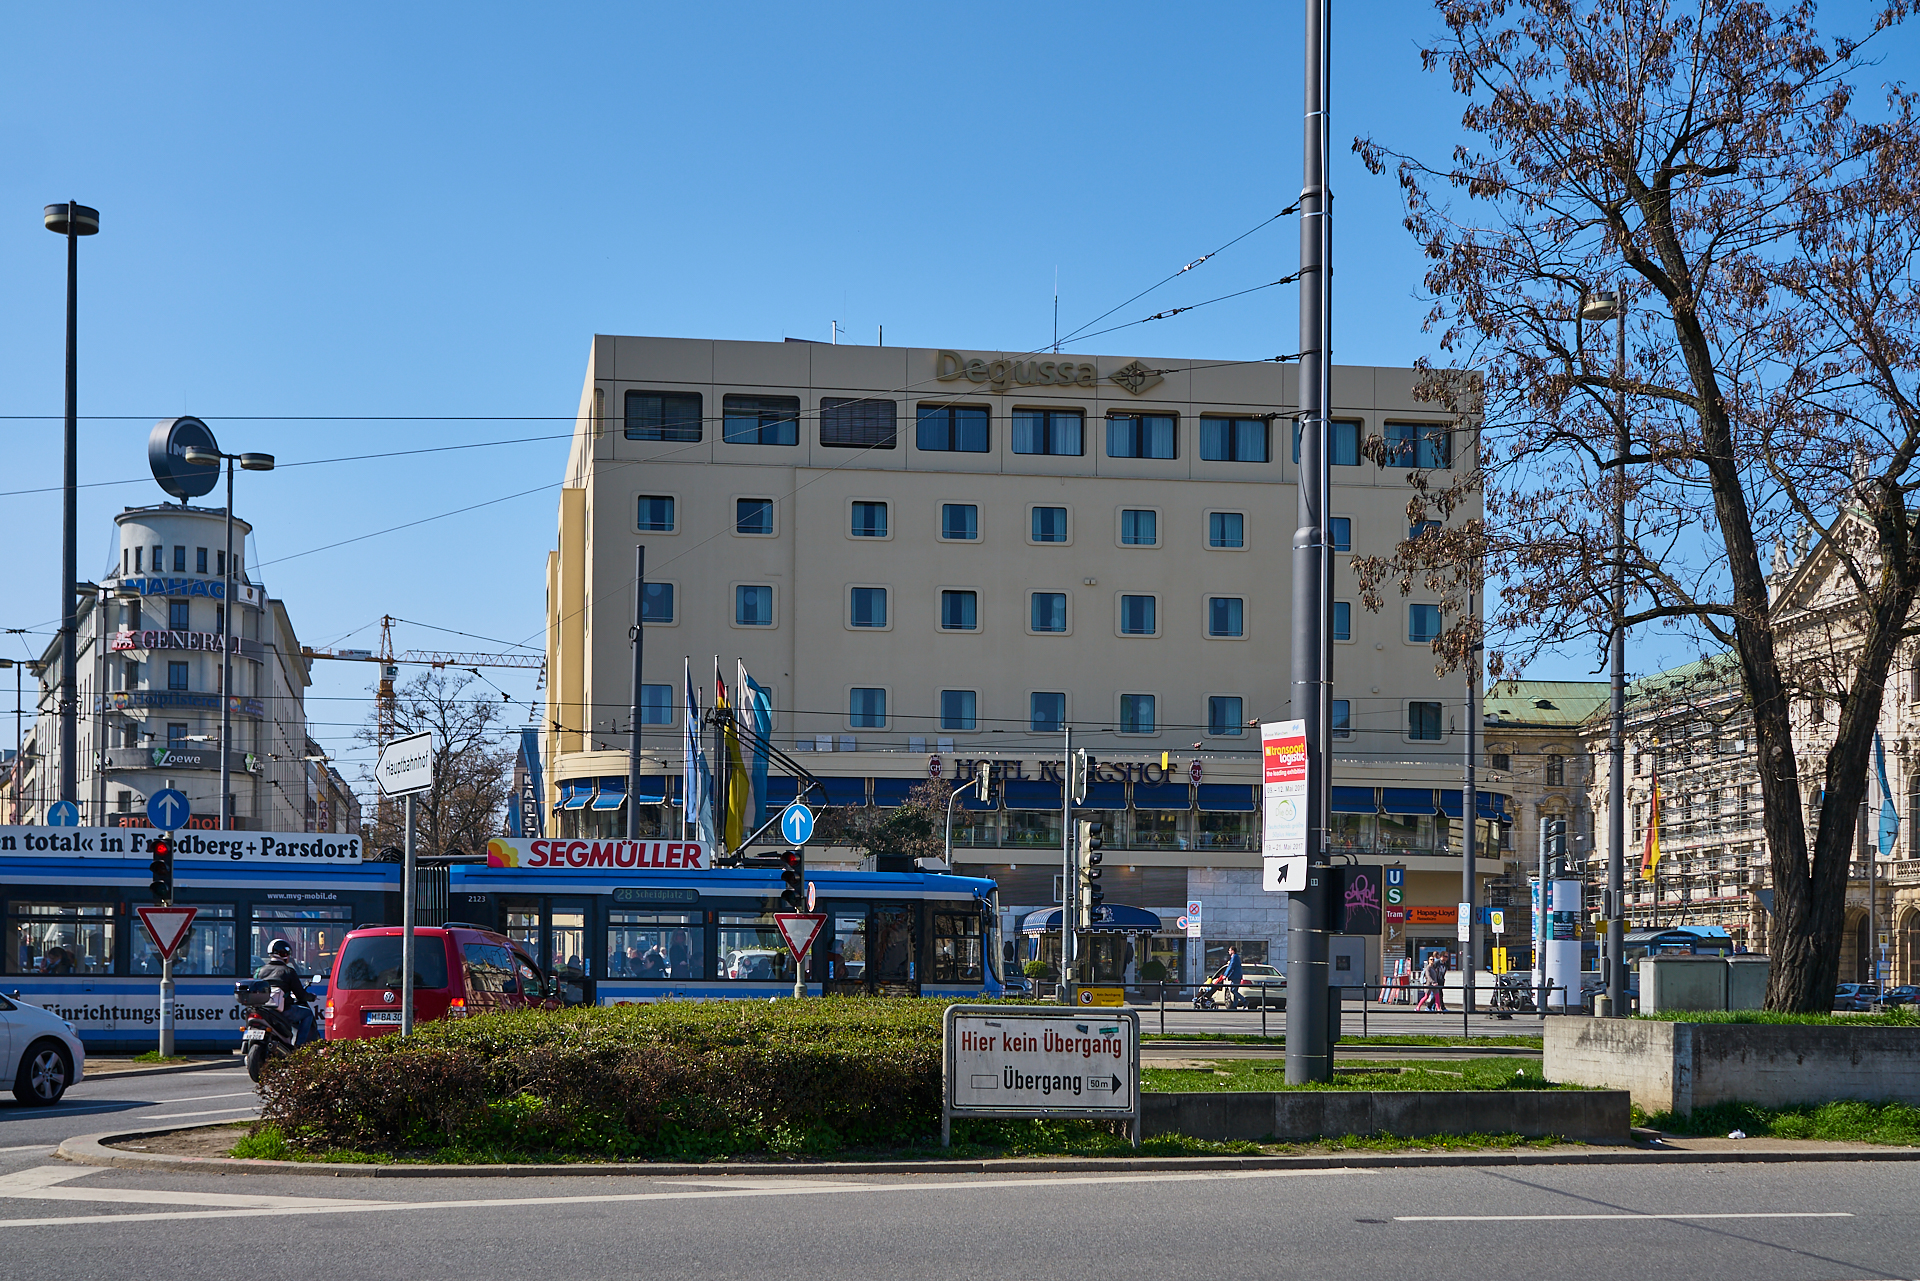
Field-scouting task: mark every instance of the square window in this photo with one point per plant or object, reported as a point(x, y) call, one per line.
point(1343, 620)
point(858, 424)
point(199, 560)
point(1226, 529)
point(958, 429)
point(957, 709)
point(1419, 445)
point(176, 676)
point(753, 606)
point(656, 704)
point(1343, 443)
point(760, 420)
point(869, 520)
point(179, 560)
point(1137, 616)
point(1136, 713)
point(1342, 718)
point(1046, 712)
point(960, 611)
point(867, 708)
point(655, 514)
point(1423, 623)
point(1235, 440)
point(1049, 524)
point(1423, 722)
point(960, 522)
point(1141, 435)
point(663, 415)
point(1140, 528)
point(176, 736)
point(656, 603)
point(868, 607)
point(179, 616)
point(1049, 611)
point(1340, 530)
point(1504, 761)
point(1420, 527)
point(1226, 616)
point(1048, 431)
point(753, 515)
point(1224, 716)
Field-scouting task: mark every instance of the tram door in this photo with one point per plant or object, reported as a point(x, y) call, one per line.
point(873, 950)
point(554, 930)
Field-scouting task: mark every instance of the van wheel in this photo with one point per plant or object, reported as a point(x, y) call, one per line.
point(44, 1073)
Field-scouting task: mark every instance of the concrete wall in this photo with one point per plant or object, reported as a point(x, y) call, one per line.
point(1683, 983)
point(1676, 1067)
point(1593, 1116)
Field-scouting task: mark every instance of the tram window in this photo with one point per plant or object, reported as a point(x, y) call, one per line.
point(664, 945)
point(60, 938)
point(208, 948)
point(958, 952)
point(314, 932)
point(751, 949)
point(848, 957)
point(893, 950)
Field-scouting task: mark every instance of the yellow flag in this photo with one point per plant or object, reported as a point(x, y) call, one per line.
point(739, 783)
point(1650, 857)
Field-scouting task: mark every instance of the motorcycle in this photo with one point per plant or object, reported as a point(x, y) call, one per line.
point(1512, 994)
point(269, 1033)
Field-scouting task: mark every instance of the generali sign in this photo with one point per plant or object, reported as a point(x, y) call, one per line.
point(160, 638)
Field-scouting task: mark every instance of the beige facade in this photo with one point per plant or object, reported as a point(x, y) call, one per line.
point(906, 636)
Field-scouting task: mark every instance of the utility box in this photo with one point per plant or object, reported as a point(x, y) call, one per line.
point(1682, 983)
point(1747, 981)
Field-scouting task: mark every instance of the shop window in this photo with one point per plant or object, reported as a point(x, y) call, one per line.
point(1225, 831)
point(858, 424)
point(1142, 435)
point(1158, 830)
point(656, 945)
point(663, 415)
point(960, 429)
point(60, 938)
point(1048, 431)
point(1224, 716)
point(760, 420)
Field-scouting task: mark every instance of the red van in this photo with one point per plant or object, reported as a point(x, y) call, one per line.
point(458, 970)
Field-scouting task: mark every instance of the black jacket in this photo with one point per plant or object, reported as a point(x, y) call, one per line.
point(283, 976)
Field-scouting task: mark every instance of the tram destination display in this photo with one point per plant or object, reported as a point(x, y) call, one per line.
point(1040, 1061)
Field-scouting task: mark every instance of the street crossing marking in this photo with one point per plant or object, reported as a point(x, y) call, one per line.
point(49, 1183)
point(1628, 1218)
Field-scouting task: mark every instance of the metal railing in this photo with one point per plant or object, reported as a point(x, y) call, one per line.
point(1502, 1001)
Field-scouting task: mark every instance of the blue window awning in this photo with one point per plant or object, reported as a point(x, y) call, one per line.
point(653, 790)
point(972, 800)
point(1355, 800)
point(845, 791)
point(781, 789)
point(612, 794)
point(1226, 798)
point(1162, 796)
point(575, 795)
point(1406, 801)
point(1108, 918)
point(1490, 804)
point(892, 792)
point(1032, 794)
point(1105, 796)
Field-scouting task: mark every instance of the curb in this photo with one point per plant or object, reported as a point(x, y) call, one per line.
point(164, 1070)
point(91, 1149)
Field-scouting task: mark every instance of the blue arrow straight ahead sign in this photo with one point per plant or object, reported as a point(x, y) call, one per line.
point(167, 809)
point(796, 823)
point(63, 814)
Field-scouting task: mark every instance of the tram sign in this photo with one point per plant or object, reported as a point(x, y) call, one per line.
point(1040, 1061)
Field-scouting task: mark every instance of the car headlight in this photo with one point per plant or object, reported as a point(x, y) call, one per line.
point(71, 1030)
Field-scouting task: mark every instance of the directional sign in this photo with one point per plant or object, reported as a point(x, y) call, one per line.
point(406, 765)
point(168, 810)
point(1288, 873)
point(63, 814)
point(799, 929)
point(796, 823)
point(167, 926)
point(1042, 1061)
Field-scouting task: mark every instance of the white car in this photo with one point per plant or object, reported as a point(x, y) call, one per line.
point(42, 1049)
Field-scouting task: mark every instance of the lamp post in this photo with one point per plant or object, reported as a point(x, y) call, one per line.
point(72, 221)
point(199, 457)
point(1597, 306)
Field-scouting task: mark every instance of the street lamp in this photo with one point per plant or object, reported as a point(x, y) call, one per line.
point(198, 456)
point(72, 221)
point(1604, 305)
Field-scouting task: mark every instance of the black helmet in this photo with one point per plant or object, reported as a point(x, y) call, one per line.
point(280, 949)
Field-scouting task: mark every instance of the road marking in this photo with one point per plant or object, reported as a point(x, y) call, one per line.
point(46, 1183)
point(202, 1098)
point(181, 1116)
point(31, 1147)
point(1629, 1218)
point(316, 1205)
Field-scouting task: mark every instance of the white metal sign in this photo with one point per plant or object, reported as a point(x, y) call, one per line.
point(1041, 1061)
point(406, 765)
point(167, 926)
point(1193, 918)
point(1283, 843)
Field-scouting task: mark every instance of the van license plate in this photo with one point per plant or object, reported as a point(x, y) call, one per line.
point(383, 1016)
point(253, 1034)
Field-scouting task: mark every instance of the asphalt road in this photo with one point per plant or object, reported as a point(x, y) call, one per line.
point(1826, 1222)
point(106, 1102)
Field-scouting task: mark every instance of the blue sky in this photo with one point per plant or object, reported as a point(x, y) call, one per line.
point(398, 226)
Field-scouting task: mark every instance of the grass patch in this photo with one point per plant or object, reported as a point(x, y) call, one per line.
point(1903, 1017)
point(1230, 1075)
point(1521, 1040)
point(1843, 1121)
point(1424, 1143)
point(153, 1056)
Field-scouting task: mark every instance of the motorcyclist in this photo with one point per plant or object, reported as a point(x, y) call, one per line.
point(279, 972)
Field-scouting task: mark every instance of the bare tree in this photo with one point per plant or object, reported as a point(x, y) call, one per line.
point(1708, 161)
point(472, 768)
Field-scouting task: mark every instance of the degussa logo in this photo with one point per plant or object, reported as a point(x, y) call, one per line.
point(502, 854)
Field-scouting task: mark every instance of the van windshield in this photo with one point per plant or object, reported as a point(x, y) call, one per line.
point(373, 960)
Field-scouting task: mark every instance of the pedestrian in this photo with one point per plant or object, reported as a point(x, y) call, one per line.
point(1437, 978)
point(1232, 975)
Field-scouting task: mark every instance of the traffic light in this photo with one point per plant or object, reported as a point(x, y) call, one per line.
point(162, 850)
point(1087, 866)
point(1081, 770)
point(988, 788)
point(793, 875)
point(1557, 845)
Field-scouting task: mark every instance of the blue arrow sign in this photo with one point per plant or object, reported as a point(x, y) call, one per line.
point(796, 823)
point(167, 809)
point(63, 814)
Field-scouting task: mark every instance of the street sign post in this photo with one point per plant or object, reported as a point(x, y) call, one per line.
point(1040, 1061)
point(405, 768)
point(167, 926)
point(796, 823)
point(799, 929)
point(63, 814)
point(168, 809)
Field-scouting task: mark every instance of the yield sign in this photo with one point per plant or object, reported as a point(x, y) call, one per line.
point(167, 926)
point(799, 929)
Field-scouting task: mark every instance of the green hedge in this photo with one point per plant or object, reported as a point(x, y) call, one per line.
point(674, 1079)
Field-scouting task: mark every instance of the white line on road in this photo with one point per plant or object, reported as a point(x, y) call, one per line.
point(31, 1147)
point(202, 1098)
point(181, 1116)
point(1626, 1218)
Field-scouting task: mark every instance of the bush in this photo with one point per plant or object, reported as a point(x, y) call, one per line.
point(1037, 969)
point(1153, 972)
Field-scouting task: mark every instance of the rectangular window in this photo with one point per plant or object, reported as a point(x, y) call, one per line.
point(1049, 524)
point(133, 674)
point(1423, 722)
point(1342, 718)
point(1423, 623)
point(139, 555)
point(1049, 611)
point(760, 420)
point(750, 949)
point(1046, 712)
point(60, 938)
point(1235, 440)
point(753, 515)
point(1343, 620)
point(1140, 528)
point(159, 564)
point(1136, 713)
point(1420, 445)
point(220, 562)
point(1419, 527)
point(753, 606)
point(176, 735)
point(656, 514)
point(663, 415)
point(647, 946)
point(176, 675)
point(957, 709)
point(220, 618)
point(858, 424)
point(179, 560)
point(1343, 443)
point(960, 611)
point(1137, 616)
point(656, 704)
point(1503, 761)
point(1556, 770)
point(199, 560)
point(868, 607)
point(1226, 616)
point(867, 708)
point(179, 616)
point(958, 429)
point(960, 522)
point(1226, 529)
point(656, 603)
point(869, 520)
point(1340, 530)
point(1048, 431)
point(1224, 716)
point(1141, 435)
